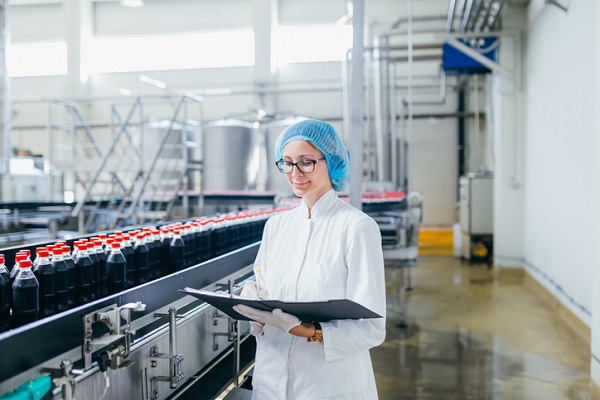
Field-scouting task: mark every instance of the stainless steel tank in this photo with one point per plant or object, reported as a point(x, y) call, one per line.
point(275, 180)
point(231, 155)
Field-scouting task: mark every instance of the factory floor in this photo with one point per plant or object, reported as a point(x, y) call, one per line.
point(475, 333)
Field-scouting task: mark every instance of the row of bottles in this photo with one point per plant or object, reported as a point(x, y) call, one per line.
point(60, 278)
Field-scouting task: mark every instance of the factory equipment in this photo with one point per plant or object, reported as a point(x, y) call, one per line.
point(149, 341)
point(476, 217)
point(32, 179)
point(230, 155)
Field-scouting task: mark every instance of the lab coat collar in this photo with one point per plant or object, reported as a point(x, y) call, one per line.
point(322, 206)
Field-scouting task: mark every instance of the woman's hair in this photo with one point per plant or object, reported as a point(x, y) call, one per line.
point(325, 138)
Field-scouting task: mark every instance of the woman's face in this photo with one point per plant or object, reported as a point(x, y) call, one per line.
point(312, 185)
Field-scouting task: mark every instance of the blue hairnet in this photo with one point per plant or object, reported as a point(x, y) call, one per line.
point(326, 139)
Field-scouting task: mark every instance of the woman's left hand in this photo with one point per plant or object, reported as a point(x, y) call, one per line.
point(277, 318)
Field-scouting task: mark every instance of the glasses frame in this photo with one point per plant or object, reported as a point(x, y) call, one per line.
point(314, 163)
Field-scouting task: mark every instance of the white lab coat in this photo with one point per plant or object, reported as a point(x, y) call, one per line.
point(335, 254)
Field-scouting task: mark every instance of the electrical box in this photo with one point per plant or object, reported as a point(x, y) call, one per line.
point(476, 217)
point(458, 63)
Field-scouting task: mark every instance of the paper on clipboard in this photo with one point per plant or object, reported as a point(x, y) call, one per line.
point(320, 311)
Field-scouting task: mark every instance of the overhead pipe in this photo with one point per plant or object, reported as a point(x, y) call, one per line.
point(477, 9)
point(450, 20)
point(494, 20)
point(466, 16)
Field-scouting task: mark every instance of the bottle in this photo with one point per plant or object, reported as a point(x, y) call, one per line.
point(36, 261)
point(19, 257)
point(116, 269)
point(44, 272)
point(95, 269)
point(5, 295)
point(25, 290)
point(177, 252)
point(107, 246)
point(103, 279)
point(83, 273)
point(129, 253)
point(154, 246)
point(142, 259)
point(165, 239)
point(188, 240)
point(71, 277)
point(61, 272)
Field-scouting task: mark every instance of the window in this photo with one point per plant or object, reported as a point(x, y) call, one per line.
point(170, 52)
point(36, 59)
point(311, 43)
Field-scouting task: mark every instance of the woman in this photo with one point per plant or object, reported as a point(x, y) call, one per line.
point(324, 249)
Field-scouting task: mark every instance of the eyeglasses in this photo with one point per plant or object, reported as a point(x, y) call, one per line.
point(304, 166)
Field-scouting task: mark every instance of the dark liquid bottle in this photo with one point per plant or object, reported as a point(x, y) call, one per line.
point(84, 275)
point(95, 270)
point(177, 252)
point(129, 253)
point(71, 277)
point(142, 259)
point(61, 271)
point(25, 288)
point(15, 271)
point(103, 278)
point(116, 269)
point(5, 295)
point(46, 277)
point(165, 266)
point(151, 242)
point(188, 240)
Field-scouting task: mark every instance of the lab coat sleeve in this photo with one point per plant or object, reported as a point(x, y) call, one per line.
point(365, 285)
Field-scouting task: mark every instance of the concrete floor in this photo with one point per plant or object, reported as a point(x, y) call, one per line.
point(471, 335)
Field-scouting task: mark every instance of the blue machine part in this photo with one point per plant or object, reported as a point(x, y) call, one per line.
point(458, 63)
point(34, 389)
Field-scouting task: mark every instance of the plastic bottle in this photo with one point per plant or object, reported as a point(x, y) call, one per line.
point(188, 240)
point(91, 250)
point(46, 277)
point(142, 259)
point(155, 254)
point(165, 240)
point(129, 253)
point(61, 272)
point(177, 252)
point(71, 277)
point(20, 256)
point(103, 278)
point(83, 272)
point(5, 295)
point(25, 290)
point(116, 269)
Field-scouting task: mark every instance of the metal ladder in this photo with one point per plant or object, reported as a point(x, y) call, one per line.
point(136, 179)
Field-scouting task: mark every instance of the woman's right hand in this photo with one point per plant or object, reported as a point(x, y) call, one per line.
point(251, 290)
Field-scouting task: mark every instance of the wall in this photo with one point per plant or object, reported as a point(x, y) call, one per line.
point(559, 151)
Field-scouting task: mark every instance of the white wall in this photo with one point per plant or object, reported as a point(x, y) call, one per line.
point(559, 250)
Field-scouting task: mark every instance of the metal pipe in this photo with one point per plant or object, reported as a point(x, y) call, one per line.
point(357, 111)
point(466, 16)
point(477, 14)
point(377, 86)
point(393, 128)
point(450, 20)
point(410, 100)
point(492, 23)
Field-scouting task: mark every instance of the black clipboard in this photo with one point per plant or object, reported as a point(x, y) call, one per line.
point(320, 311)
